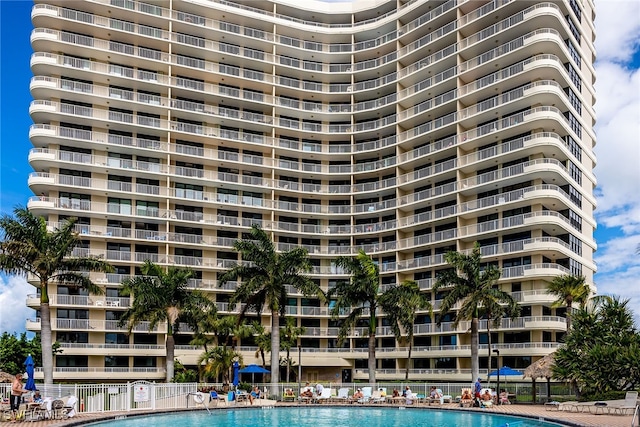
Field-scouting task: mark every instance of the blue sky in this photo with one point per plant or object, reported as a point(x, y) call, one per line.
point(618, 148)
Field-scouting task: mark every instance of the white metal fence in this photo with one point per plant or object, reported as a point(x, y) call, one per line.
point(143, 395)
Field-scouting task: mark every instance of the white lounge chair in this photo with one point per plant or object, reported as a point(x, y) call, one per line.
point(366, 395)
point(325, 396)
point(629, 404)
point(376, 397)
point(342, 396)
point(70, 406)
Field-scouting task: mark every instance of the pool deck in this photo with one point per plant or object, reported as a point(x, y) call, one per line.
point(535, 411)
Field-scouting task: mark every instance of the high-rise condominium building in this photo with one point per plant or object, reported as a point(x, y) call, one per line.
point(406, 128)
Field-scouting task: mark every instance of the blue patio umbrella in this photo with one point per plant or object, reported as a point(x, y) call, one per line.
point(236, 377)
point(253, 369)
point(31, 383)
point(505, 371)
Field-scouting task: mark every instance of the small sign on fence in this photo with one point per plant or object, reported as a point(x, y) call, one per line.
point(141, 393)
point(113, 390)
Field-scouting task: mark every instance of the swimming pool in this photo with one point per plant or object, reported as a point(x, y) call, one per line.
point(330, 416)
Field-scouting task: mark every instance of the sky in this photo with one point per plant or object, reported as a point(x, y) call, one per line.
point(617, 150)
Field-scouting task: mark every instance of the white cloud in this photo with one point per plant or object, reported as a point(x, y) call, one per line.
point(618, 254)
point(617, 28)
point(617, 149)
point(627, 280)
point(13, 296)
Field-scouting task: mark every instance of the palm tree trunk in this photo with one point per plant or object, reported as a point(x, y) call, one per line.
point(489, 342)
point(406, 374)
point(171, 345)
point(288, 365)
point(372, 359)
point(533, 391)
point(275, 351)
point(264, 362)
point(569, 309)
point(46, 340)
point(475, 365)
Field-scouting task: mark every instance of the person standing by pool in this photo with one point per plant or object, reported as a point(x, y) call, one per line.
point(477, 389)
point(16, 396)
point(477, 392)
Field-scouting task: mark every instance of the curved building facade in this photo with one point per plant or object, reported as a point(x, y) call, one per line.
point(404, 128)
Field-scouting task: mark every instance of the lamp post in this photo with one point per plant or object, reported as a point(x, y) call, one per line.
point(299, 367)
point(495, 350)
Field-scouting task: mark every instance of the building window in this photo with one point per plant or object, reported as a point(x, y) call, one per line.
point(574, 195)
point(574, 123)
point(119, 206)
point(445, 363)
point(575, 244)
point(72, 337)
point(575, 77)
point(574, 30)
point(576, 9)
point(575, 172)
point(116, 362)
point(574, 147)
point(575, 267)
point(72, 361)
point(575, 55)
point(144, 362)
point(575, 220)
point(575, 101)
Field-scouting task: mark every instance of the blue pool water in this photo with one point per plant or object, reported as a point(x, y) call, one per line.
point(328, 417)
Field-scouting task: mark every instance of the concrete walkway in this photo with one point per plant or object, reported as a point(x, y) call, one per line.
point(534, 411)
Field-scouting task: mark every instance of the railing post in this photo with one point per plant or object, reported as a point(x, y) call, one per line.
point(153, 395)
point(128, 405)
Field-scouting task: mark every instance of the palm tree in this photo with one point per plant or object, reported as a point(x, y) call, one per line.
point(161, 296)
point(218, 362)
point(360, 295)
point(569, 289)
point(262, 340)
point(290, 333)
point(471, 284)
point(28, 248)
point(401, 304)
point(493, 311)
point(265, 275)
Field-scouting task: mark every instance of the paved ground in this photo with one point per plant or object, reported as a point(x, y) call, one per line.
point(538, 412)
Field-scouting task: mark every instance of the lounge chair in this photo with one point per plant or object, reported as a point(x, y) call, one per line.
point(366, 394)
point(566, 406)
point(420, 399)
point(578, 406)
point(36, 411)
point(376, 397)
point(57, 409)
point(70, 407)
point(288, 395)
point(342, 396)
point(628, 405)
point(215, 398)
point(305, 399)
point(487, 403)
point(466, 403)
point(439, 400)
point(325, 396)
